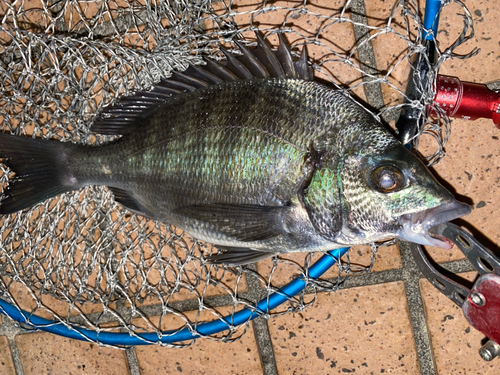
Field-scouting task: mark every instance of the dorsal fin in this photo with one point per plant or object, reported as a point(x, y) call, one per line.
point(259, 62)
point(267, 57)
point(219, 70)
point(285, 58)
point(303, 69)
point(203, 74)
point(188, 79)
point(252, 63)
point(236, 66)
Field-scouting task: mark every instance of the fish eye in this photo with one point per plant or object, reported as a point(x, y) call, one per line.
point(388, 179)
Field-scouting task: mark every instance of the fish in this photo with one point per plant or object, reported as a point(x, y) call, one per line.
point(252, 155)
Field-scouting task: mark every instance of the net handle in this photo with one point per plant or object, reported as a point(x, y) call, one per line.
point(115, 338)
point(431, 18)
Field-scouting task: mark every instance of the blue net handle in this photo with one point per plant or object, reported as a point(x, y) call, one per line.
point(431, 18)
point(210, 328)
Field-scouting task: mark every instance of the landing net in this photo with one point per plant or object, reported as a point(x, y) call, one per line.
point(82, 260)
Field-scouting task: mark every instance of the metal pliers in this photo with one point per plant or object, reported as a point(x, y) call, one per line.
point(481, 303)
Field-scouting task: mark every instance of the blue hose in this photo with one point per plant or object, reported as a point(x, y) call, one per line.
point(210, 328)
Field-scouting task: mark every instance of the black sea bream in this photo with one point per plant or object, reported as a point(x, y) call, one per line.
point(252, 156)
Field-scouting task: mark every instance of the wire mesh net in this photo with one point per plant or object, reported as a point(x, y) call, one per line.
point(81, 259)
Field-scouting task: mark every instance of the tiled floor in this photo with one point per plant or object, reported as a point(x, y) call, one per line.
point(375, 324)
point(325, 340)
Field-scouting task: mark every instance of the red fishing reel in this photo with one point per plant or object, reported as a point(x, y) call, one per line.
point(467, 100)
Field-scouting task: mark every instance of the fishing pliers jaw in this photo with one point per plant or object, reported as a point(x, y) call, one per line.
point(481, 303)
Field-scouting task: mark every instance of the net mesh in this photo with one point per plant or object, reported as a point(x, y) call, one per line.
point(83, 260)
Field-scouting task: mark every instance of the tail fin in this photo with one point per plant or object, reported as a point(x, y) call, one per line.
point(39, 170)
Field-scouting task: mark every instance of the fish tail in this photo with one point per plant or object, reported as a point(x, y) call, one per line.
point(40, 171)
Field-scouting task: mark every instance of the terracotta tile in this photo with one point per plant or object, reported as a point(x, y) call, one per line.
point(6, 364)
point(455, 343)
point(44, 353)
point(389, 48)
point(386, 258)
point(362, 330)
point(204, 356)
point(471, 168)
point(484, 66)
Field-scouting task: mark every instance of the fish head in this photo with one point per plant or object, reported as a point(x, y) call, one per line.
point(390, 193)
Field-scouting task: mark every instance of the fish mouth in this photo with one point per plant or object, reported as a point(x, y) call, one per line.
point(415, 227)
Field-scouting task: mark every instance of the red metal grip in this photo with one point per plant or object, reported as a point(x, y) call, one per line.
point(467, 100)
point(482, 306)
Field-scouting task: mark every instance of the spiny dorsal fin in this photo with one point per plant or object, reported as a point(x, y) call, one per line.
point(303, 69)
point(259, 62)
point(252, 63)
point(219, 70)
point(285, 58)
point(203, 74)
point(267, 57)
point(235, 65)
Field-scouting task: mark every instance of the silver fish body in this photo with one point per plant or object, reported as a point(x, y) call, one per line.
point(255, 165)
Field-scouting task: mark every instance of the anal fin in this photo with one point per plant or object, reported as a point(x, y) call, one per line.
point(126, 200)
point(237, 256)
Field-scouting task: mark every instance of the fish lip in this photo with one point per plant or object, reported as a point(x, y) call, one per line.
point(415, 227)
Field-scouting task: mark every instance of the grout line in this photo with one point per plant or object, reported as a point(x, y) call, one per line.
point(12, 328)
point(261, 329)
point(16, 358)
point(366, 56)
point(372, 278)
point(130, 353)
point(7, 328)
point(265, 346)
point(10, 331)
point(133, 364)
point(389, 276)
point(458, 266)
point(411, 277)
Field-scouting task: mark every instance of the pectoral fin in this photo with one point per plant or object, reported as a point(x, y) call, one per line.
point(246, 223)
